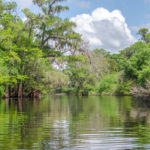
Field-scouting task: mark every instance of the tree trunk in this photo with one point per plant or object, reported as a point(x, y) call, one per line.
point(20, 90)
point(35, 94)
point(7, 92)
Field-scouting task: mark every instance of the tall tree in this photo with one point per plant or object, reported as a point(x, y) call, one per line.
point(143, 32)
point(56, 36)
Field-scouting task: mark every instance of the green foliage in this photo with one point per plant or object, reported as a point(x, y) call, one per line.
point(4, 77)
point(82, 79)
point(108, 84)
point(86, 70)
point(125, 88)
point(26, 51)
point(30, 49)
point(147, 38)
point(136, 67)
point(143, 32)
point(136, 61)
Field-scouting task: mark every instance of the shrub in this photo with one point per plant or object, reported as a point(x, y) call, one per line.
point(108, 84)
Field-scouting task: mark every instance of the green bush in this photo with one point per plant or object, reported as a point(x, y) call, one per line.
point(108, 84)
point(125, 88)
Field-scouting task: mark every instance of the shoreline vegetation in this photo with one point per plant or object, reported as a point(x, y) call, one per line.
point(43, 54)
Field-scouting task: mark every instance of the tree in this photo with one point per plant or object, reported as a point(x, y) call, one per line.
point(85, 70)
point(29, 48)
point(56, 36)
point(143, 32)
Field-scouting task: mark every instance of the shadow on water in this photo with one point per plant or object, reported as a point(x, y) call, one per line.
point(69, 122)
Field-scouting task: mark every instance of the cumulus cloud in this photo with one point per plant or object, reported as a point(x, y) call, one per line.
point(104, 29)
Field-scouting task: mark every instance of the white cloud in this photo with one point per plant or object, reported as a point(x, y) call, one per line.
point(136, 28)
point(24, 3)
point(24, 19)
point(104, 29)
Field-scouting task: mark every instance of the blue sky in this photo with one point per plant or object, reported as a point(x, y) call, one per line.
point(136, 12)
point(109, 24)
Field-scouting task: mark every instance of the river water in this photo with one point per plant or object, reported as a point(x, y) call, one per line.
point(75, 123)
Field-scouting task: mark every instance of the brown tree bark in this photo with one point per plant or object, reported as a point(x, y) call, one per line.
point(35, 94)
point(7, 92)
point(20, 90)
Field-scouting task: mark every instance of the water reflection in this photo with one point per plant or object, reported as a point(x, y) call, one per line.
point(61, 122)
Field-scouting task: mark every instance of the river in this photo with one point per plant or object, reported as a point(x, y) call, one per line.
point(75, 123)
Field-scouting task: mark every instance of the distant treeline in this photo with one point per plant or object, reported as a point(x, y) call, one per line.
point(43, 54)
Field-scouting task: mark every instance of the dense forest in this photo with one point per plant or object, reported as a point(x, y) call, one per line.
point(43, 54)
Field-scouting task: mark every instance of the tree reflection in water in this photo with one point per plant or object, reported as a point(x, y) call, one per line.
point(67, 122)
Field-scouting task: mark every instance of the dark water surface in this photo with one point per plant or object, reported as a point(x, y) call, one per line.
point(76, 123)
